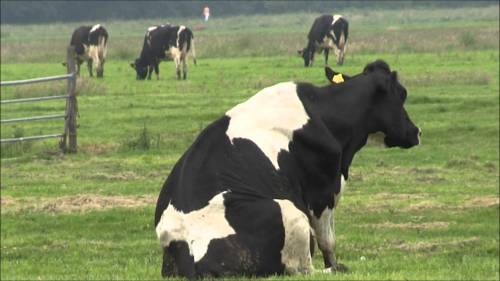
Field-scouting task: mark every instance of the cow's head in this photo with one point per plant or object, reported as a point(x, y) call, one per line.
point(140, 68)
point(99, 68)
point(335, 77)
point(306, 55)
point(388, 113)
point(340, 53)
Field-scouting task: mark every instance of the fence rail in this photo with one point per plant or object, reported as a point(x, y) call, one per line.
point(34, 118)
point(34, 99)
point(71, 106)
point(37, 80)
point(12, 140)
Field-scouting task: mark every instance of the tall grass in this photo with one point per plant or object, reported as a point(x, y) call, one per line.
point(378, 31)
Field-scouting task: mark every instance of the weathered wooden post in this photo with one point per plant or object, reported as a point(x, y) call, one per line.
point(71, 104)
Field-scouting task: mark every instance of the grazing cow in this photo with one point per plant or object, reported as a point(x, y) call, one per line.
point(258, 183)
point(160, 40)
point(90, 44)
point(327, 32)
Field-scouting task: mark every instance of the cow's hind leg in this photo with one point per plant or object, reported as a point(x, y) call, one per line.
point(177, 261)
point(184, 66)
point(178, 67)
point(150, 71)
point(78, 65)
point(327, 51)
point(157, 70)
point(89, 66)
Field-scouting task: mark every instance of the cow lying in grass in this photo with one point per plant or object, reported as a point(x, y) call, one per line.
point(259, 182)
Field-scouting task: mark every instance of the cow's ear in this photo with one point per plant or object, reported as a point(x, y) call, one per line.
point(335, 77)
point(394, 76)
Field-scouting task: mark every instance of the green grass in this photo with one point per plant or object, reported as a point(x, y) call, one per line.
point(427, 213)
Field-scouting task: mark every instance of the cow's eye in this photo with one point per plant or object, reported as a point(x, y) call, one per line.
point(404, 94)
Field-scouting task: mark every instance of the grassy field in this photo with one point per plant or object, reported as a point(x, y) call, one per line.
point(431, 212)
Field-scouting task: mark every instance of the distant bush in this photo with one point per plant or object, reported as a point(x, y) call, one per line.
point(143, 141)
point(467, 39)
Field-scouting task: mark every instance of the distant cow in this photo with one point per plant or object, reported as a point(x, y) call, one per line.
point(327, 32)
point(259, 182)
point(90, 44)
point(160, 41)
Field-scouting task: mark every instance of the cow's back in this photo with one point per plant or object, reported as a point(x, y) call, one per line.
point(79, 38)
point(319, 28)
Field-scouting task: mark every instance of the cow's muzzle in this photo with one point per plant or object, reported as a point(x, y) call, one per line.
point(410, 139)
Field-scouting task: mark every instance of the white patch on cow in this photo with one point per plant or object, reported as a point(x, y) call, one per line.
point(197, 228)
point(269, 119)
point(93, 53)
point(176, 55)
point(327, 43)
point(151, 28)
point(324, 230)
point(295, 255)
point(336, 18)
point(95, 27)
point(342, 187)
point(181, 28)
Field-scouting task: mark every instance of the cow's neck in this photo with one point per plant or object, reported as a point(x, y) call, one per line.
point(346, 113)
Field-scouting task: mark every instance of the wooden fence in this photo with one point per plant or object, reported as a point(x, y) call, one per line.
point(69, 134)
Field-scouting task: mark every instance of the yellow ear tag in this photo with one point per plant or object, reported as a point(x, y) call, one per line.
point(338, 78)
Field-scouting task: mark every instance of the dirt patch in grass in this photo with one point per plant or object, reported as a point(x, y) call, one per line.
point(97, 148)
point(411, 225)
point(74, 203)
point(432, 246)
point(483, 202)
point(398, 196)
point(7, 200)
point(423, 205)
point(406, 202)
point(121, 176)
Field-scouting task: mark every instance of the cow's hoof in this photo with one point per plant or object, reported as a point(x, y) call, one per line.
point(339, 267)
point(336, 268)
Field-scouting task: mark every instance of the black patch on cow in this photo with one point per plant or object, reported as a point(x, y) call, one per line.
point(178, 261)
point(255, 249)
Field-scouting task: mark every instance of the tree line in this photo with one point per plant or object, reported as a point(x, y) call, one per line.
point(20, 12)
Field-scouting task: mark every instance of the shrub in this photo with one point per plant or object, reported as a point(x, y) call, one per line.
point(467, 39)
point(143, 141)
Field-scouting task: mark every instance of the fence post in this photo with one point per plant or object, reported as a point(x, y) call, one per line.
point(71, 104)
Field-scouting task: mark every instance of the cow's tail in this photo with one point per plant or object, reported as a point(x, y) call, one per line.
point(102, 46)
point(342, 40)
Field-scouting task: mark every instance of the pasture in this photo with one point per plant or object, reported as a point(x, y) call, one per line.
point(431, 212)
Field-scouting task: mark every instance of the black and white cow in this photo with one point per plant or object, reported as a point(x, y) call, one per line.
point(90, 44)
point(258, 183)
point(327, 32)
point(160, 41)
